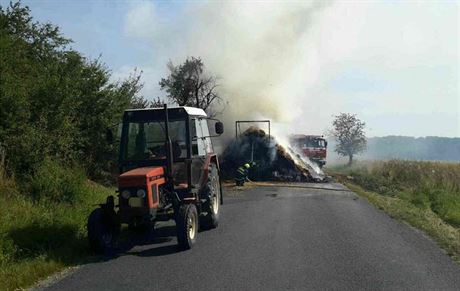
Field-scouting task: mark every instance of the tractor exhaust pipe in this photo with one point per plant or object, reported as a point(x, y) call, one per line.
point(169, 155)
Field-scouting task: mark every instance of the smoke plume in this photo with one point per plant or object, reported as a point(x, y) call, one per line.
point(300, 62)
point(258, 50)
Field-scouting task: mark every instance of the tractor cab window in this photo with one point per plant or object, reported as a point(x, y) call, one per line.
point(206, 137)
point(194, 136)
point(201, 143)
point(146, 140)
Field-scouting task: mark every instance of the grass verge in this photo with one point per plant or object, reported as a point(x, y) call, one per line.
point(41, 237)
point(447, 236)
point(423, 194)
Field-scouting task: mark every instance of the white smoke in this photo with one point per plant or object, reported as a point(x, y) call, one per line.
point(260, 51)
point(306, 61)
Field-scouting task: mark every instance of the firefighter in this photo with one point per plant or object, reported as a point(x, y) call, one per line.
point(242, 174)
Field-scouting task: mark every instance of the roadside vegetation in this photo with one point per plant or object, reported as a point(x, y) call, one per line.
point(424, 194)
point(46, 233)
point(55, 107)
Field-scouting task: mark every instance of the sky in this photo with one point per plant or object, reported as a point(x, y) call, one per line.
point(393, 63)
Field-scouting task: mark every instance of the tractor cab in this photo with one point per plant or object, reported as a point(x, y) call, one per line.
point(168, 170)
point(143, 141)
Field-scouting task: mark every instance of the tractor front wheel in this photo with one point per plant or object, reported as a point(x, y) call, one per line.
point(187, 226)
point(101, 234)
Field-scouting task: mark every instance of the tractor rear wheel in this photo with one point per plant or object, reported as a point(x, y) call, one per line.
point(187, 226)
point(101, 234)
point(211, 219)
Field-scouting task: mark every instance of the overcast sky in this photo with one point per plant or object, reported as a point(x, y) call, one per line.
point(396, 65)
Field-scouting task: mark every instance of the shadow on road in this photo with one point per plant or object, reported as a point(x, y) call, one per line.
point(162, 241)
point(129, 240)
point(158, 251)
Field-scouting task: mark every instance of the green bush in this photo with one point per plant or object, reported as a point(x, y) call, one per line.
point(39, 237)
point(419, 198)
point(55, 182)
point(54, 101)
point(446, 205)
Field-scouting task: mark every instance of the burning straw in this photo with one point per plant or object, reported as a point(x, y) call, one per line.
point(272, 160)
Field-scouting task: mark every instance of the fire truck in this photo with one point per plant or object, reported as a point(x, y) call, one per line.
point(314, 147)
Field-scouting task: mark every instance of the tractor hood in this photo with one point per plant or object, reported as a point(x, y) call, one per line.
point(140, 176)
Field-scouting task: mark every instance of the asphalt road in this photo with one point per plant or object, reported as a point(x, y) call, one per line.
point(282, 238)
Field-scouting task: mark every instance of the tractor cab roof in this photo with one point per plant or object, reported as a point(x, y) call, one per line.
point(193, 111)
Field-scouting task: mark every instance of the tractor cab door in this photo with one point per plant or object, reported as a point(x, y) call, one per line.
point(201, 146)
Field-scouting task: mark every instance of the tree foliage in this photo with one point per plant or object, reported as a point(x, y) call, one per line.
point(139, 102)
point(349, 134)
point(54, 102)
point(189, 85)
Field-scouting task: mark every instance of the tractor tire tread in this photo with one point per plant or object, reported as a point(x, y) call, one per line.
point(183, 239)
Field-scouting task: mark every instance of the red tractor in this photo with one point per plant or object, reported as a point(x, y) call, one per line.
point(313, 147)
point(168, 171)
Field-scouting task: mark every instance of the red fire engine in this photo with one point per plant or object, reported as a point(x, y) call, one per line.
point(311, 146)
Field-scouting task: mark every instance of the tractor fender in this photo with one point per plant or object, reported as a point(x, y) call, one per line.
point(210, 159)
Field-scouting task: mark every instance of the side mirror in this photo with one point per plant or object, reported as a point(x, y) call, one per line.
point(109, 135)
point(219, 128)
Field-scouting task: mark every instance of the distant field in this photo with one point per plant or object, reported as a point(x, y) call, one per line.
point(424, 194)
point(431, 148)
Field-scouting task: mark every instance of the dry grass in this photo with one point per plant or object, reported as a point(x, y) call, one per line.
point(432, 185)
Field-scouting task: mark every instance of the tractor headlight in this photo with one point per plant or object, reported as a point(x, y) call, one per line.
point(140, 193)
point(125, 194)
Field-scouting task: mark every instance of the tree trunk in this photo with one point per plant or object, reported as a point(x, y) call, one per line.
point(196, 97)
point(350, 159)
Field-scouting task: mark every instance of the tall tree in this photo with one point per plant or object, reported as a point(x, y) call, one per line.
point(53, 101)
point(189, 85)
point(139, 102)
point(349, 134)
